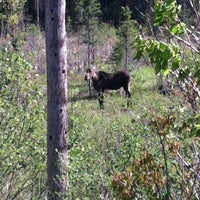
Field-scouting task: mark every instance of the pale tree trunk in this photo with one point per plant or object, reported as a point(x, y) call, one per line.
point(57, 99)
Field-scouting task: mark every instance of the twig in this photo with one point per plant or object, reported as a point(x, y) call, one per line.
point(166, 168)
point(197, 174)
point(182, 40)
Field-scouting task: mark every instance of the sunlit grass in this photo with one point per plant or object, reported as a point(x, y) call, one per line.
point(104, 142)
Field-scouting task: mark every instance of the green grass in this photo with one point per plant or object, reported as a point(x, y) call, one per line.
point(144, 79)
point(104, 142)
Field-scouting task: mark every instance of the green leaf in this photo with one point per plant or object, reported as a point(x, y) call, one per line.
point(197, 74)
point(166, 72)
point(179, 29)
point(183, 73)
point(176, 63)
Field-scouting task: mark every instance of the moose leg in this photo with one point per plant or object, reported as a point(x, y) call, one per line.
point(100, 98)
point(128, 94)
point(126, 88)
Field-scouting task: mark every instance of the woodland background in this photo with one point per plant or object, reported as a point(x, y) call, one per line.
point(149, 150)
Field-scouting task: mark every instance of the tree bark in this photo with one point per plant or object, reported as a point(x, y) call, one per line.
point(56, 99)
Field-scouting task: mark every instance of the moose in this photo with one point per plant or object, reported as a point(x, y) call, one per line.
point(108, 81)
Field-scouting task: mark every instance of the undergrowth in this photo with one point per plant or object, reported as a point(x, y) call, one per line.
point(147, 150)
point(122, 152)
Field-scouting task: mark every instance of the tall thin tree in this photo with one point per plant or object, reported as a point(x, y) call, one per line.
point(91, 14)
point(57, 96)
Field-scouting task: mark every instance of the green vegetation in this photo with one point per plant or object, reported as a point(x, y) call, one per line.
point(22, 127)
point(107, 149)
point(147, 150)
point(119, 152)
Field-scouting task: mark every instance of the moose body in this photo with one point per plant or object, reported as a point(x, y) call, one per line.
point(108, 81)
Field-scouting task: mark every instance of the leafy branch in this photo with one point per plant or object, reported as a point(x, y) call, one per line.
point(167, 56)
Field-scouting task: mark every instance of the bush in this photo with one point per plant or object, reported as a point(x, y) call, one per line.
point(23, 129)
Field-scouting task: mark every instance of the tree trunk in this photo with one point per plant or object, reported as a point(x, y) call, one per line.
point(89, 55)
point(57, 99)
point(38, 12)
point(126, 52)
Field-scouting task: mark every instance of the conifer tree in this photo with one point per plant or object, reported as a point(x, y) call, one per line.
point(90, 20)
point(11, 14)
point(91, 13)
point(122, 53)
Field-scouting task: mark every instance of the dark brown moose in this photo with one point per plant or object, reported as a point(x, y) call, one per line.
point(108, 81)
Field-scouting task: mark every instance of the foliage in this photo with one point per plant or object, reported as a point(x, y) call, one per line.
point(22, 127)
point(165, 12)
point(167, 56)
point(123, 52)
point(90, 19)
point(11, 12)
point(149, 150)
point(143, 175)
point(103, 145)
point(119, 153)
point(160, 176)
point(144, 79)
point(162, 55)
